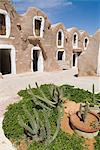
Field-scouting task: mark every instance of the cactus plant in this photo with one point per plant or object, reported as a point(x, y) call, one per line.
point(83, 111)
point(93, 93)
point(37, 130)
point(57, 128)
point(85, 108)
point(95, 101)
point(34, 124)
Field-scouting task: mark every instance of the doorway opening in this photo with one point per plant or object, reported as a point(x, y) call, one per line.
point(2, 24)
point(59, 38)
point(60, 55)
point(37, 60)
point(5, 61)
point(75, 40)
point(37, 27)
point(85, 43)
point(75, 57)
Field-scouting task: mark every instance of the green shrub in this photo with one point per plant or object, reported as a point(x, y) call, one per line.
point(62, 142)
point(10, 123)
point(97, 144)
point(76, 94)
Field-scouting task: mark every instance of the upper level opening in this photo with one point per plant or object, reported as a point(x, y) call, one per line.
point(75, 40)
point(4, 24)
point(85, 42)
point(60, 39)
point(38, 26)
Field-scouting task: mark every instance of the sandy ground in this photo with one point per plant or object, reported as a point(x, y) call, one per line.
point(11, 84)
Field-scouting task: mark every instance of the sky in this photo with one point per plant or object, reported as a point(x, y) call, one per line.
point(83, 14)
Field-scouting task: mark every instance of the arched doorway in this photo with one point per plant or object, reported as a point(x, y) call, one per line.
point(37, 59)
point(60, 39)
point(75, 40)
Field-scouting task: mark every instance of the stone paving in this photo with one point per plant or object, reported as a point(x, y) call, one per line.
point(11, 84)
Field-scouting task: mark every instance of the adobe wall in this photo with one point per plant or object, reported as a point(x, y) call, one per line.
point(83, 35)
point(71, 32)
point(66, 47)
point(19, 38)
point(46, 41)
point(79, 47)
point(88, 61)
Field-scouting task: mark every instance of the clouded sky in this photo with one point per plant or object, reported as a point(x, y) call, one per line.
point(83, 14)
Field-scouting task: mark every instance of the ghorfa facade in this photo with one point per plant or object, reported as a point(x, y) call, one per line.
point(29, 43)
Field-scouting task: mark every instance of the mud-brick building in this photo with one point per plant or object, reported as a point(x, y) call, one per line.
point(29, 42)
